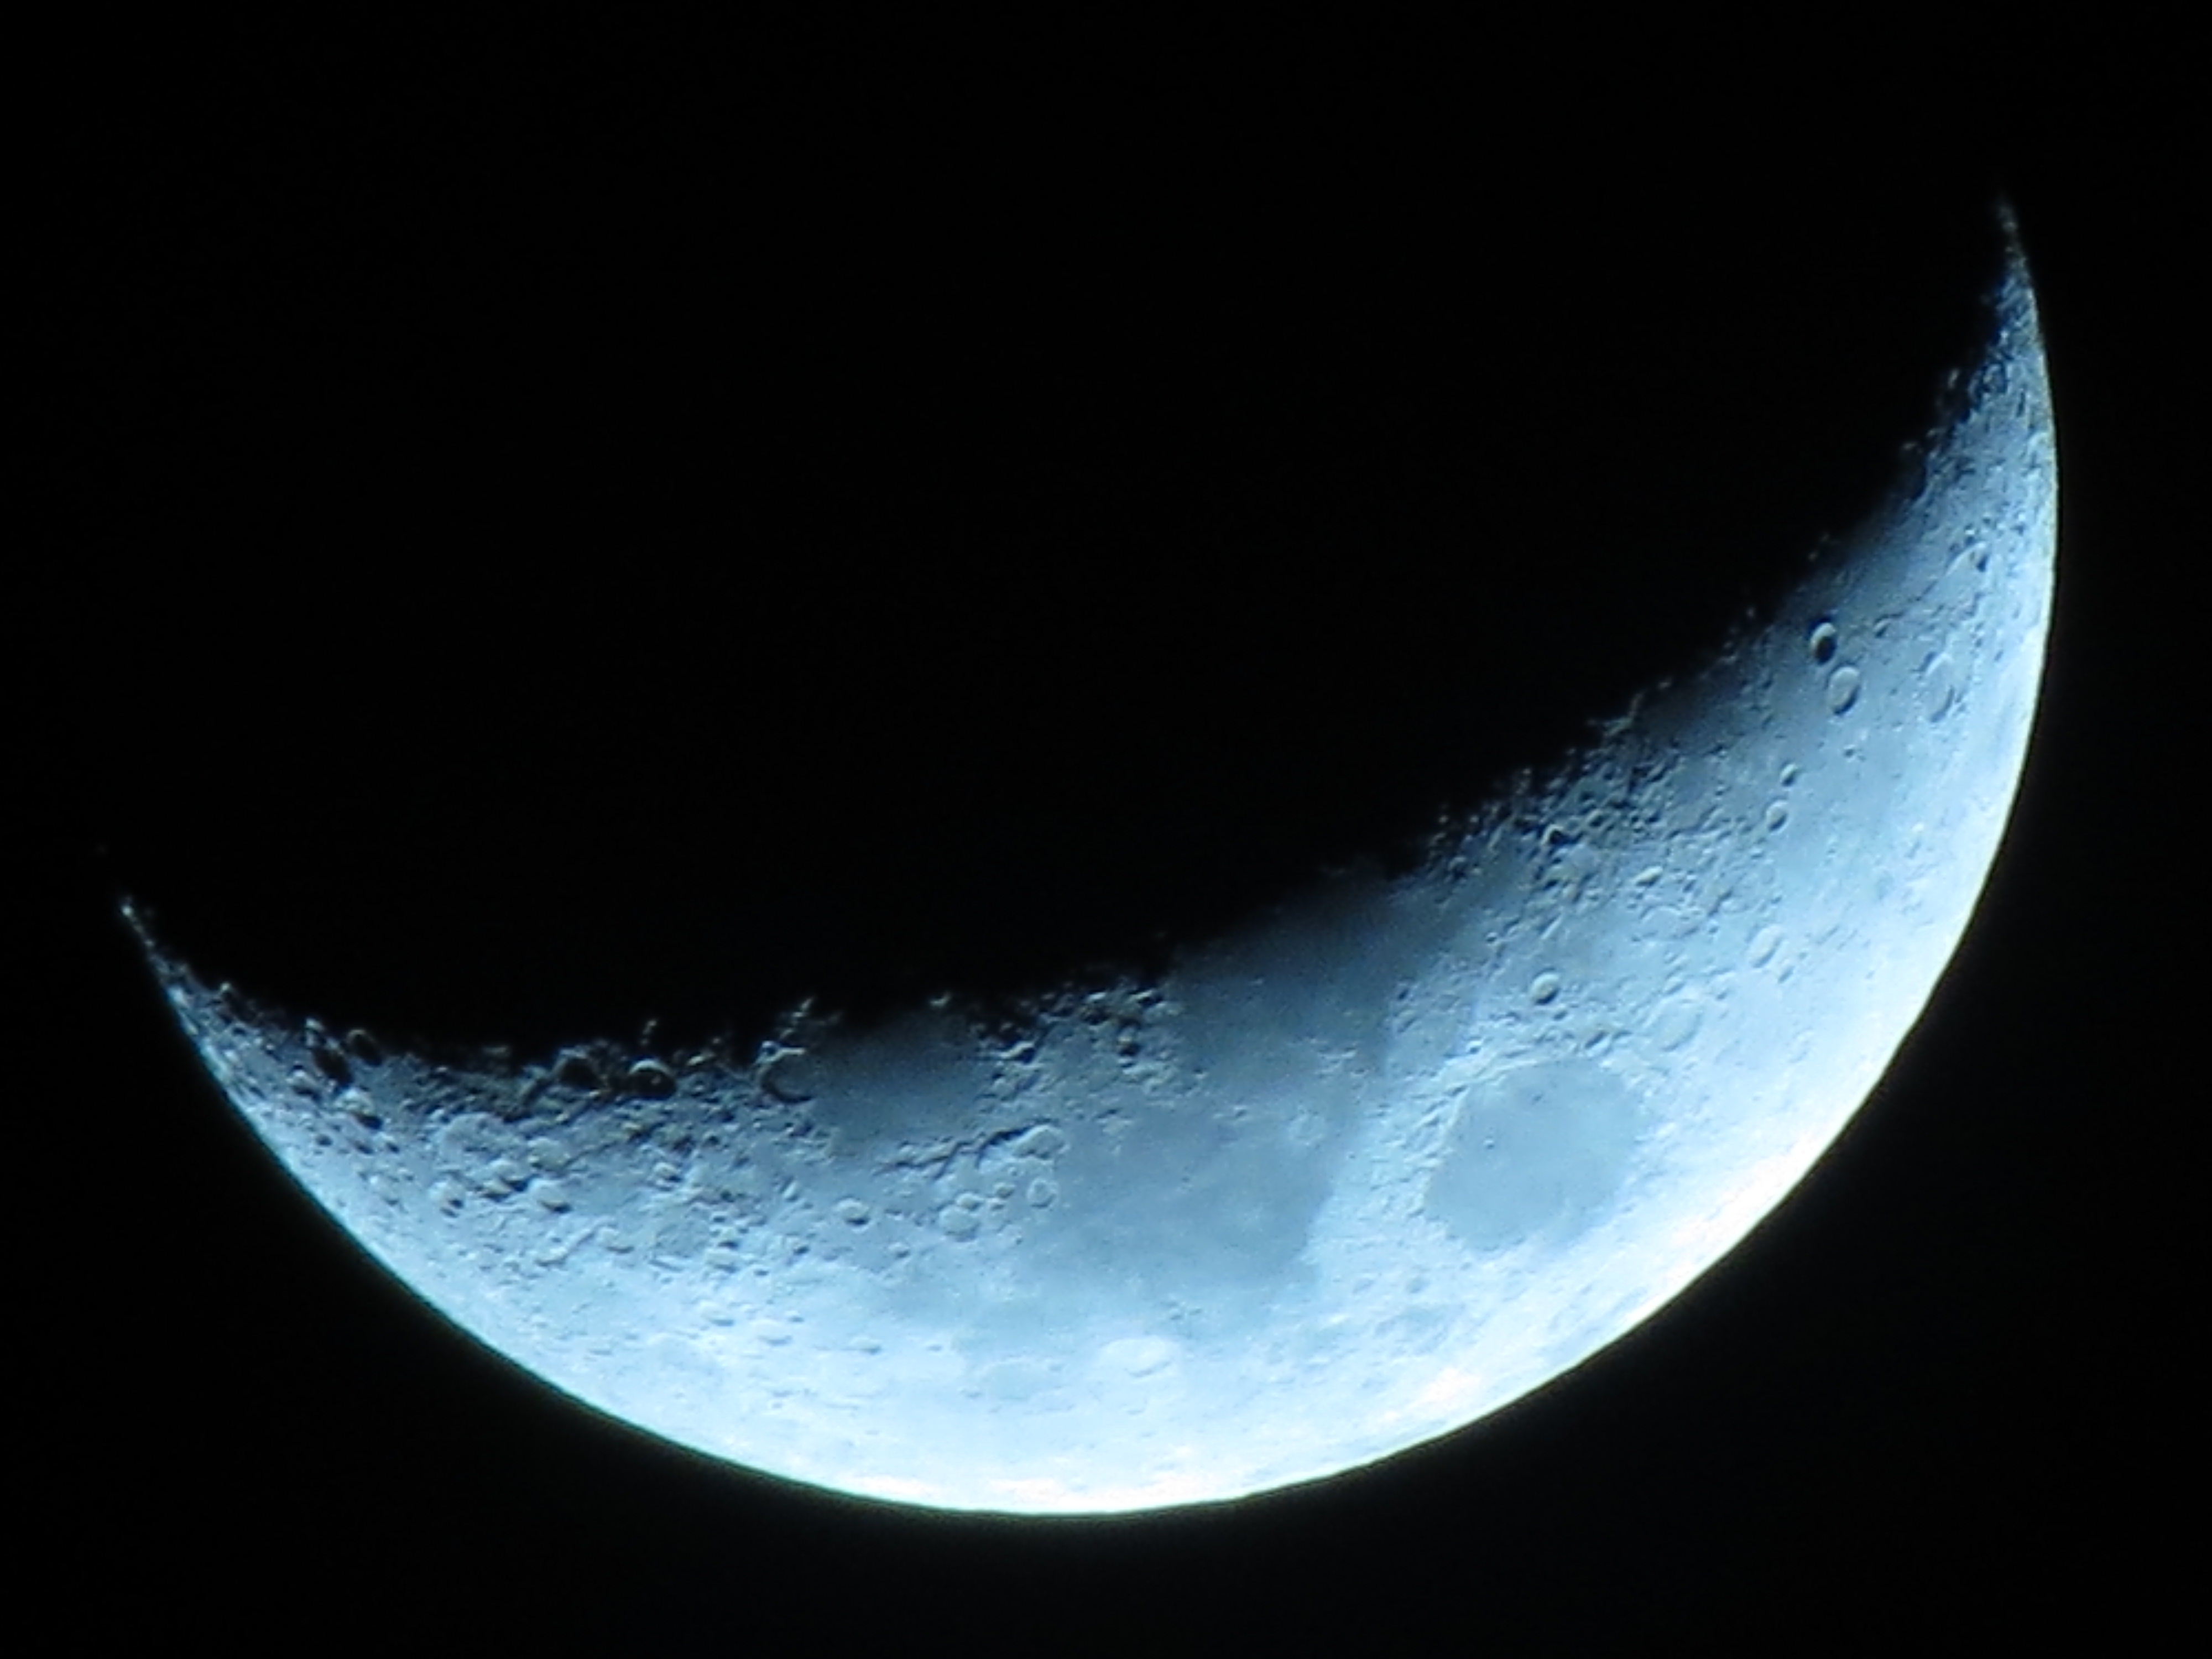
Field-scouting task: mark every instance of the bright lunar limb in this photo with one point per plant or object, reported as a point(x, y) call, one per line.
point(1337, 1183)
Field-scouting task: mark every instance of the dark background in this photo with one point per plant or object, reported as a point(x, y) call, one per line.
point(556, 530)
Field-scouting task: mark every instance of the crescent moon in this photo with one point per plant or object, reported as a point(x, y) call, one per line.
point(1337, 1183)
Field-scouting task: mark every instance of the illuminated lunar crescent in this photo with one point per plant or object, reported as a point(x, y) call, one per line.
point(1336, 1183)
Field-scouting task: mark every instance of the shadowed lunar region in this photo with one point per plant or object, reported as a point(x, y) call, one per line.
point(1336, 1182)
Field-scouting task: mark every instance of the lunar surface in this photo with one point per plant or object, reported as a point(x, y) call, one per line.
point(1337, 1183)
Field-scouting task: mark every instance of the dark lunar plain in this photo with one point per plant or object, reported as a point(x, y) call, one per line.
point(544, 534)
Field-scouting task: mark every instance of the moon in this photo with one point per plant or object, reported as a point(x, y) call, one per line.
point(1339, 1181)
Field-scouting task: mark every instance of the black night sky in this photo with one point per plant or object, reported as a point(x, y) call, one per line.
point(553, 533)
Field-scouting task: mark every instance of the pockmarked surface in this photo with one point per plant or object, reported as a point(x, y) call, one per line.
point(1336, 1184)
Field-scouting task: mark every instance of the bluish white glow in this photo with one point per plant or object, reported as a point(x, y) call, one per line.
point(1335, 1186)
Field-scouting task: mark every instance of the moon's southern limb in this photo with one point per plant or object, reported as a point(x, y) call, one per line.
point(1336, 1184)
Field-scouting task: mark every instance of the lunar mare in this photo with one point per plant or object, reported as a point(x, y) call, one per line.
point(1337, 1183)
